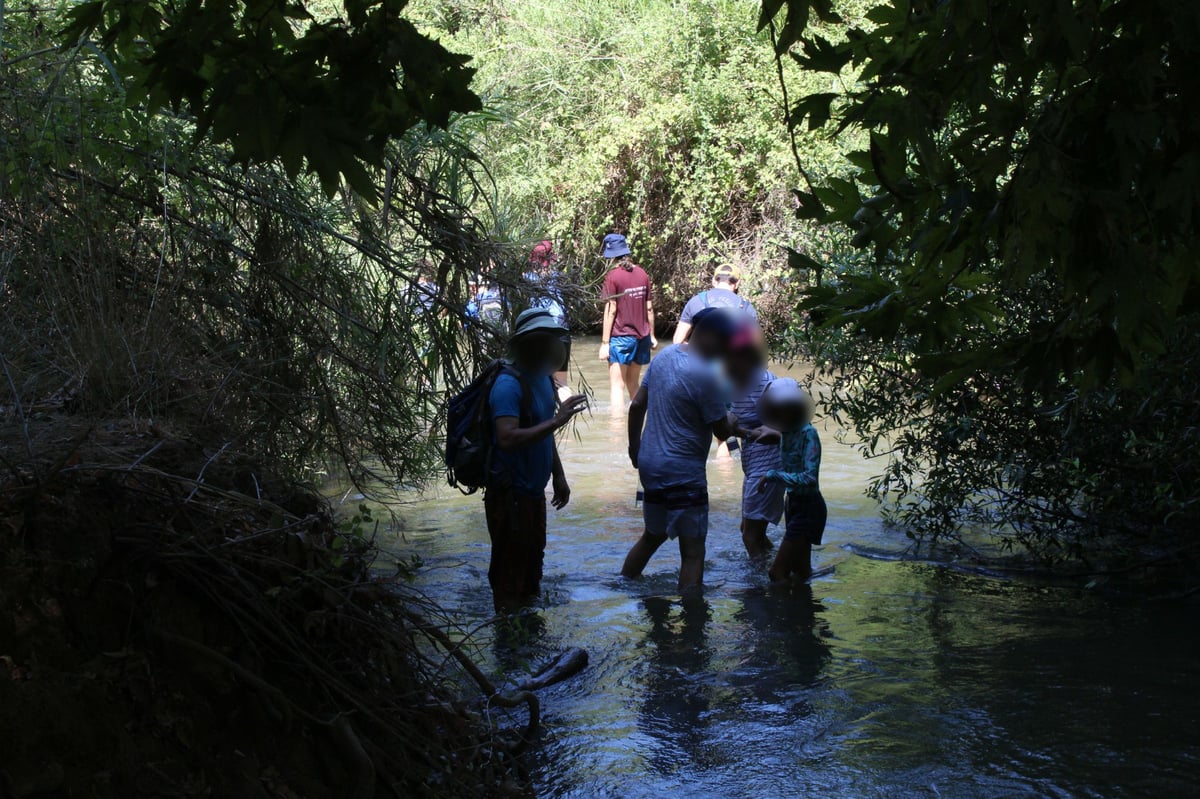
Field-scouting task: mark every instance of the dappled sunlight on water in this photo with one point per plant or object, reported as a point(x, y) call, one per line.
point(882, 679)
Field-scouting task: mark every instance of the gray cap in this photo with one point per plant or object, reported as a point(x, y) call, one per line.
point(532, 320)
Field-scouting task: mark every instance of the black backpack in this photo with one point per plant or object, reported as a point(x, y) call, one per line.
point(469, 433)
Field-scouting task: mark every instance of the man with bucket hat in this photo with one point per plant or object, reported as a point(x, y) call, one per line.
point(628, 333)
point(524, 418)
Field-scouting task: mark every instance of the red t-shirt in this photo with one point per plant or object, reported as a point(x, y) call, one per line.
point(631, 289)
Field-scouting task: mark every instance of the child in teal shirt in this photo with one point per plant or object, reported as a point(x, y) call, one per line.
point(787, 408)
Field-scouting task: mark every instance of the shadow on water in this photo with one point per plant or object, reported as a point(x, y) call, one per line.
point(676, 699)
point(889, 678)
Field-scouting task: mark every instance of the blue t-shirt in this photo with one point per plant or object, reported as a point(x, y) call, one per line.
point(684, 400)
point(527, 469)
point(716, 298)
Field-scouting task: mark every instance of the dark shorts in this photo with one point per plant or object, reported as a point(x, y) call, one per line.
point(629, 349)
point(806, 514)
point(677, 512)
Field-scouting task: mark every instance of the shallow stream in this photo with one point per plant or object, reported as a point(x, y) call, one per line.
point(886, 678)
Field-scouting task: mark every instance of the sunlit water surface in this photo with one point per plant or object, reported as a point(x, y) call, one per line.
point(887, 678)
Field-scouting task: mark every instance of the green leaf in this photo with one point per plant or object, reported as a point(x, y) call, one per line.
point(814, 107)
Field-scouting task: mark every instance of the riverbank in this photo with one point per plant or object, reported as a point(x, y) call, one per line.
point(174, 620)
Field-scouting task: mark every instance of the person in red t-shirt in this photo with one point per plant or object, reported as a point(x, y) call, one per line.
point(628, 334)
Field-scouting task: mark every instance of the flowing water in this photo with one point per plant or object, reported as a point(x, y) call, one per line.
point(885, 678)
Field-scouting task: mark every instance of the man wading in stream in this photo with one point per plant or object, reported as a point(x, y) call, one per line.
point(525, 457)
point(683, 404)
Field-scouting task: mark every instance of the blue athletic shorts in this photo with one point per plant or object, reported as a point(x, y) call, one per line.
point(629, 349)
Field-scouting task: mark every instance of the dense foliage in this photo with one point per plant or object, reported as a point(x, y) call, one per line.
point(191, 324)
point(149, 272)
point(321, 85)
point(660, 119)
point(1018, 336)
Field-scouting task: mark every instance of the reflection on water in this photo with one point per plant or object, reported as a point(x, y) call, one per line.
point(886, 679)
point(676, 700)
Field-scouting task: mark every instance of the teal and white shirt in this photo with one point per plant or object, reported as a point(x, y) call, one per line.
point(800, 461)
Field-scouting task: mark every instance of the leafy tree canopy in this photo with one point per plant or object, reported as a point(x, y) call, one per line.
point(1011, 143)
point(321, 86)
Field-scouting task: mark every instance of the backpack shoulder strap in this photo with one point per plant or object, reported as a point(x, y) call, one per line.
point(704, 298)
point(526, 418)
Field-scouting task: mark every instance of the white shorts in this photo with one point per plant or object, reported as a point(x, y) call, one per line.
point(765, 505)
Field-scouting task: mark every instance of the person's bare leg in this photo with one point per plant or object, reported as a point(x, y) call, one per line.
point(802, 560)
point(631, 373)
point(639, 556)
point(781, 567)
point(793, 557)
point(691, 563)
point(754, 537)
point(617, 387)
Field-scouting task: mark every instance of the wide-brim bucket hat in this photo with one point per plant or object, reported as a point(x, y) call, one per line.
point(615, 246)
point(534, 320)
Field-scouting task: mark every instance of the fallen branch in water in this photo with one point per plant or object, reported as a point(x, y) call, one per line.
point(494, 697)
point(563, 667)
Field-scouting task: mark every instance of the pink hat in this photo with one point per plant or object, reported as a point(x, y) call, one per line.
point(543, 253)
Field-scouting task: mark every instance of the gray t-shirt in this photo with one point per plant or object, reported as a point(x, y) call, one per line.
point(684, 400)
point(716, 298)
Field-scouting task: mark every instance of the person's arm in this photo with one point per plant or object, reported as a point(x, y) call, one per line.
point(684, 328)
point(705, 391)
point(510, 435)
point(805, 474)
point(558, 480)
point(637, 417)
point(650, 317)
point(727, 427)
point(764, 435)
point(610, 315)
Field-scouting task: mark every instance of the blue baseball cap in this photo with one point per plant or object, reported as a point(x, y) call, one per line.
point(615, 246)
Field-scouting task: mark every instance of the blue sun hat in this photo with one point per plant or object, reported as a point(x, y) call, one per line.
point(615, 246)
